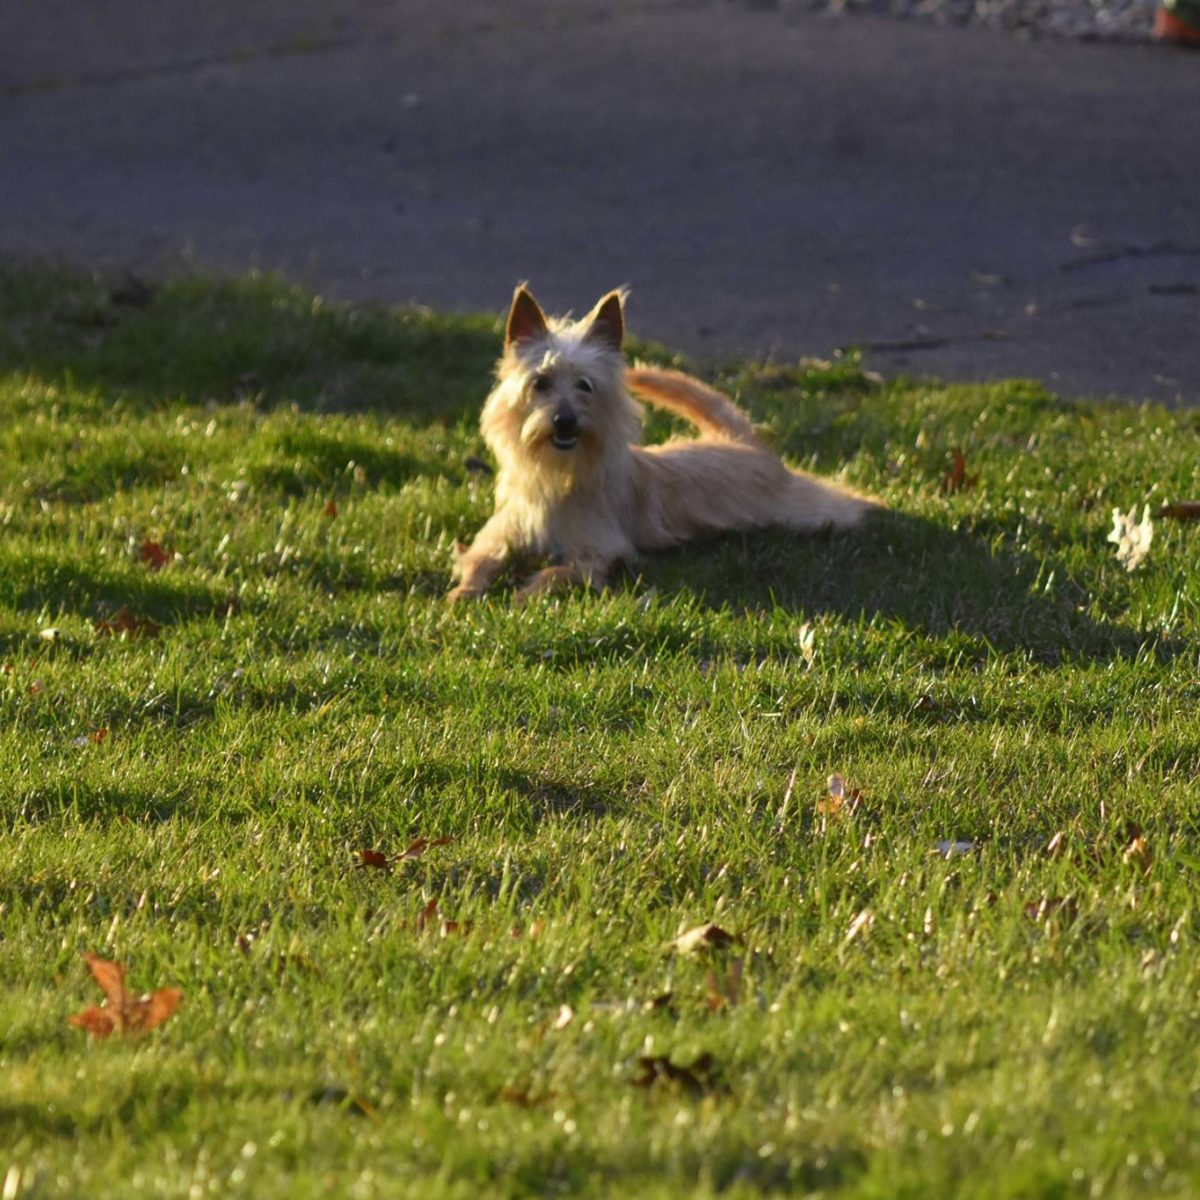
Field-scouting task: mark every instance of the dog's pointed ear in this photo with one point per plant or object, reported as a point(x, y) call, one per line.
point(526, 321)
point(606, 323)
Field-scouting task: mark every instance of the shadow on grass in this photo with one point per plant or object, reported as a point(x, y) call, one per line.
point(207, 341)
point(953, 588)
point(57, 583)
point(225, 341)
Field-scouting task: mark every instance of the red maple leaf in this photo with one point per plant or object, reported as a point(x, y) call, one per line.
point(121, 1012)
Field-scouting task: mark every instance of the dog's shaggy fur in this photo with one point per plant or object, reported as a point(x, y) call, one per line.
point(574, 486)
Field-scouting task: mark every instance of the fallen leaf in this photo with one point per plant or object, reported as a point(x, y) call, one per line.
point(372, 858)
point(154, 555)
point(417, 848)
point(383, 862)
point(839, 803)
point(96, 1021)
point(1181, 510)
point(427, 914)
point(1131, 537)
point(703, 937)
point(124, 623)
point(121, 1012)
point(331, 510)
point(696, 1079)
point(957, 479)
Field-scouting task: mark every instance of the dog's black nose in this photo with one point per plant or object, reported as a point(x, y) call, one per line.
point(565, 424)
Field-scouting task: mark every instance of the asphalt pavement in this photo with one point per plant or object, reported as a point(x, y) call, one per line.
point(961, 203)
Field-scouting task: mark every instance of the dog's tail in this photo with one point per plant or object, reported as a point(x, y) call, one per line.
point(706, 408)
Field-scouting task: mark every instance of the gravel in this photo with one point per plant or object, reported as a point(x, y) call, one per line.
point(1086, 20)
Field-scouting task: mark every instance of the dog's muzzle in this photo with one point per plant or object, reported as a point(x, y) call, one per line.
point(566, 430)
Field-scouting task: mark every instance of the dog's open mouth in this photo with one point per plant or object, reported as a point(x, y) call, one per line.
point(565, 441)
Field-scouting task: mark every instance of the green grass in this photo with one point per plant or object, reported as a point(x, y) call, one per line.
point(613, 770)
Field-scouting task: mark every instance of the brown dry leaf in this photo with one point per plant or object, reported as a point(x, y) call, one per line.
point(121, 1012)
point(841, 802)
point(418, 847)
point(154, 556)
point(427, 914)
point(696, 1079)
point(703, 937)
point(957, 479)
point(1181, 510)
point(98, 735)
point(96, 1021)
point(331, 509)
point(124, 623)
point(375, 859)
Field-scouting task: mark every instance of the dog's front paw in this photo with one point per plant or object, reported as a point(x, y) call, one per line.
point(457, 595)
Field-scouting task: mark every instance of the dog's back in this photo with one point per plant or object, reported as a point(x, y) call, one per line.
point(726, 479)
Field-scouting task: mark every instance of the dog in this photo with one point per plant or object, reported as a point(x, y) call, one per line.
point(575, 487)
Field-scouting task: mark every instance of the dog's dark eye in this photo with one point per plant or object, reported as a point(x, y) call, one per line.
point(585, 385)
point(541, 383)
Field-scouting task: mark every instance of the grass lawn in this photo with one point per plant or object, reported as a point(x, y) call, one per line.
point(193, 751)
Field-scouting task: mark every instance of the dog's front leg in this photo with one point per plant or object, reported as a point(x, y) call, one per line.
point(478, 565)
point(560, 578)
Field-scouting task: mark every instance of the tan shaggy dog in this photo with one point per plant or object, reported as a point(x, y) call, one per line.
point(575, 487)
